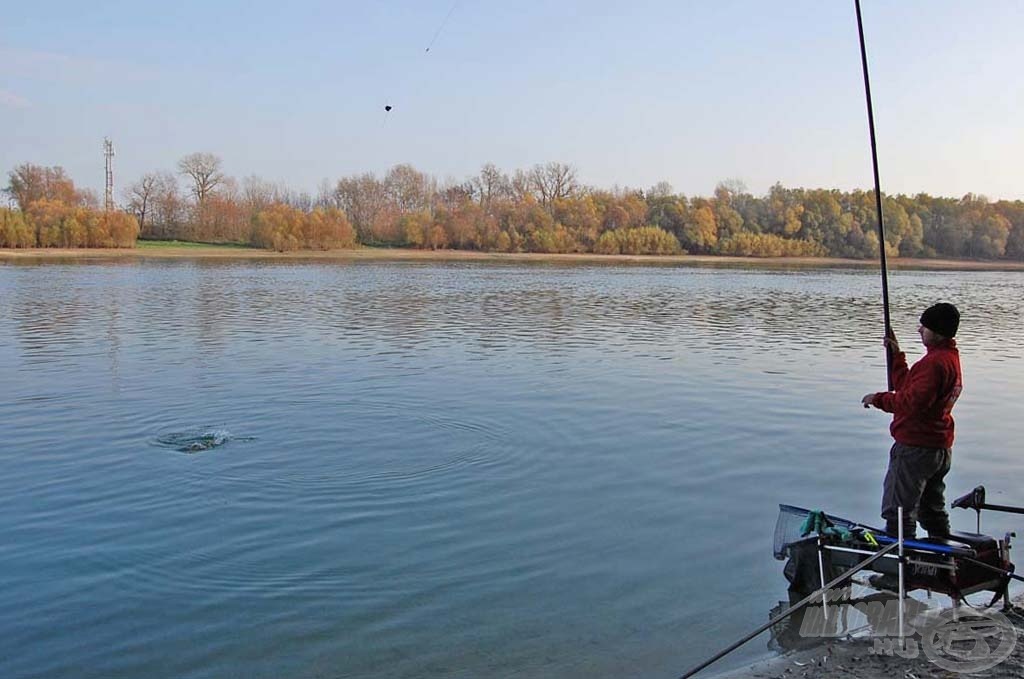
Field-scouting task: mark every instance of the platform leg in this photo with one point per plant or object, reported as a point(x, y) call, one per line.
point(821, 574)
point(902, 585)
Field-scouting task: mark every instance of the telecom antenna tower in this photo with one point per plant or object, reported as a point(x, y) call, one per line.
point(108, 153)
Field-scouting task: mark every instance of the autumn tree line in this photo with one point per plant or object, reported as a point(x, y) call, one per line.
point(543, 209)
point(52, 213)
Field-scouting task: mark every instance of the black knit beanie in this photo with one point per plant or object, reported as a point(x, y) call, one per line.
point(942, 318)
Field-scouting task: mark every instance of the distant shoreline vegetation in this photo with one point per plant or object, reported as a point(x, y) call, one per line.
point(541, 210)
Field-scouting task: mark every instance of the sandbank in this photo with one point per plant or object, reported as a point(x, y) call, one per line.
point(225, 252)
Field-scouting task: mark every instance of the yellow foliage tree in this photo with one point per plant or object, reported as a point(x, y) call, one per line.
point(608, 244)
point(745, 244)
point(278, 227)
point(46, 217)
point(415, 228)
point(647, 240)
point(121, 228)
point(14, 230)
point(700, 232)
point(58, 224)
point(333, 230)
point(436, 237)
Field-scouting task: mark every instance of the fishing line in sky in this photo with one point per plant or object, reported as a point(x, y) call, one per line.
point(441, 27)
point(437, 33)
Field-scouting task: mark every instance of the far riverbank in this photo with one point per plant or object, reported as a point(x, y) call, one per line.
point(158, 250)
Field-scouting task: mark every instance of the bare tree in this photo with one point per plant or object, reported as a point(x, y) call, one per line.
point(490, 185)
point(86, 198)
point(727, 189)
point(730, 187)
point(520, 186)
point(660, 190)
point(167, 208)
point(301, 200)
point(204, 171)
point(552, 182)
point(408, 188)
point(453, 195)
point(25, 184)
point(324, 196)
point(139, 197)
point(258, 193)
point(28, 183)
point(362, 197)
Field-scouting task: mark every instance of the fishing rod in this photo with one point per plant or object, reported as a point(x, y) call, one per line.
point(878, 197)
point(888, 370)
point(994, 569)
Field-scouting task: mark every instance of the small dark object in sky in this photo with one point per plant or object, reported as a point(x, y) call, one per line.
point(387, 108)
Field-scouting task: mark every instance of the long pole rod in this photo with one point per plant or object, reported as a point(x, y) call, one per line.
point(878, 195)
point(1002, 508)
point(1001, 571)
point(792, 609)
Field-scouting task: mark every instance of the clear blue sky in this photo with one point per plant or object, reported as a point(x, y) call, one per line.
point(630, 93)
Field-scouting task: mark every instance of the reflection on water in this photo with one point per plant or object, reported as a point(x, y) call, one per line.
point(450, 470)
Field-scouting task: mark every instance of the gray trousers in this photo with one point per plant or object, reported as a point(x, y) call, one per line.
point(915, 482)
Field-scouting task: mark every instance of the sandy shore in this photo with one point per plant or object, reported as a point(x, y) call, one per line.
point(396, 254)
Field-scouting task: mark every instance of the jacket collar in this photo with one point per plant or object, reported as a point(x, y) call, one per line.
point(944, 344)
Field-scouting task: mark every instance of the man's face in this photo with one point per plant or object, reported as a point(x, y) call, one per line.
point(928, 337)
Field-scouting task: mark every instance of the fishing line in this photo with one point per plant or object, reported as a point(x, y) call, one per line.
point(437, 33)
point(441, 27)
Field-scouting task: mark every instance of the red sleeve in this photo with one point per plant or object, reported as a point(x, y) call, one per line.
point(899, 369)
point(915, 392)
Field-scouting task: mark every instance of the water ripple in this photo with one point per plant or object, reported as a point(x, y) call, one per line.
point(197, 439)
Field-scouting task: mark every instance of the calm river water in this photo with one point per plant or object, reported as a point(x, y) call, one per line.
point(444, 470)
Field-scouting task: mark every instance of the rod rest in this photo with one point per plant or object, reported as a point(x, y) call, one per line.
point(972, 500)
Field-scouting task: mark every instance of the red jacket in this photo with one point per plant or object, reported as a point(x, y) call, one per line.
point(924, 396)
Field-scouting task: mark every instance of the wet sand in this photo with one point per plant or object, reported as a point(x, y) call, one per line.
point(398, 254)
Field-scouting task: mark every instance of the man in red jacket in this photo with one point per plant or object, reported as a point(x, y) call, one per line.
point(922, 425)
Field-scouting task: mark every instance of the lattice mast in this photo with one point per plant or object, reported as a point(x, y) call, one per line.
point(108, 153)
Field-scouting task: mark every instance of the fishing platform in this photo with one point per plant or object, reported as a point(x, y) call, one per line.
point(819, 547)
